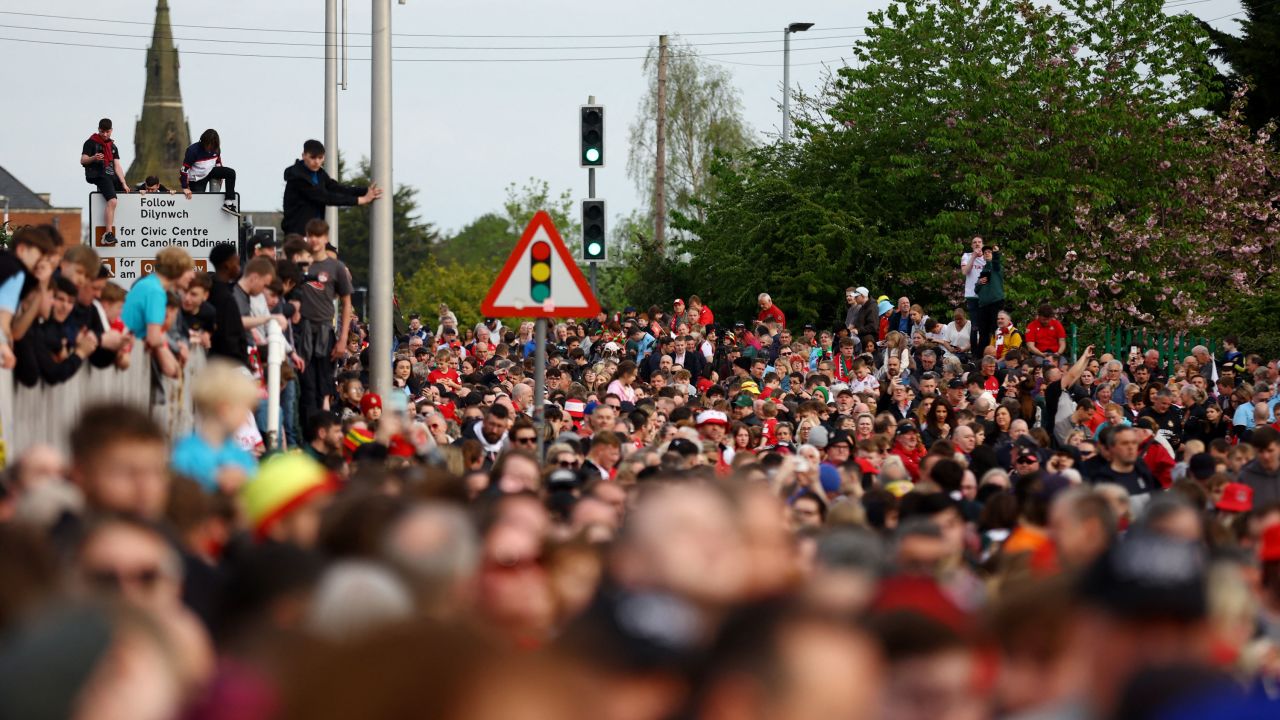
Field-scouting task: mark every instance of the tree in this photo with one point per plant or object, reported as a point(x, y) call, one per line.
point(485, 241)
point(1187, 261)
point(412, 239)
point(525, 201)
point(704, 119)
point(488, 240)
point(639, 274)
point(974, 117)
point(1253, 59)
point(461, 287)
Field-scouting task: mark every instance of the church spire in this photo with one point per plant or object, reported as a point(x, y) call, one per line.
point(161, 135)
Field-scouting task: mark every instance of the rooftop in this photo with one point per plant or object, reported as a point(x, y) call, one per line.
point(20, 196)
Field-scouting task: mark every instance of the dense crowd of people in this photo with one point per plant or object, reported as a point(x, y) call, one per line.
point(900, 516)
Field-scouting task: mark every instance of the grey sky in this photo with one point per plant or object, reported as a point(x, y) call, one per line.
point(463, 130)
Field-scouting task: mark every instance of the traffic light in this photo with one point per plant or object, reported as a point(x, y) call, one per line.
point(540, 270)
point(592, 135)
point(594, 247)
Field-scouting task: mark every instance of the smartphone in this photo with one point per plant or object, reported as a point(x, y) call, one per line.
point(1133, 351)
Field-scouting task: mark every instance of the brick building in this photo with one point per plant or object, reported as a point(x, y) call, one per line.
point(31, 208)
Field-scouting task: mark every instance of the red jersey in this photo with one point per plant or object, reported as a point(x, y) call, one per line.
point(437, 375)
point(773, 313)
point(1046, 337)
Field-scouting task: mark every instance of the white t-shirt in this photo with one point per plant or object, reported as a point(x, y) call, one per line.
point(971, 279)
point(958, 339)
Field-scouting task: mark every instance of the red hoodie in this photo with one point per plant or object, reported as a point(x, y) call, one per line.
point(910, 458)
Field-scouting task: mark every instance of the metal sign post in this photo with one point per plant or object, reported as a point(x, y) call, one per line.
point(540, 382)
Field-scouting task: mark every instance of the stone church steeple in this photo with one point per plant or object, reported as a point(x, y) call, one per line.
point(161, 136)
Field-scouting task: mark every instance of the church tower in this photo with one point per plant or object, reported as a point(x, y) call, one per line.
point(161, 136)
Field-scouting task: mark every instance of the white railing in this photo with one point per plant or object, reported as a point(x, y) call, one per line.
point(45, 414)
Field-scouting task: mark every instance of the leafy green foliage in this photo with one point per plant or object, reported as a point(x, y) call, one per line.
point(1253, 61)
point(1029, 126)
point(486, 241)
point(704, 120)
point(412, 239)
point(461, 287)
point(489, 239)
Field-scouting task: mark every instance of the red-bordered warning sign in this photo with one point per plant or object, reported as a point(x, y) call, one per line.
point(540, 278)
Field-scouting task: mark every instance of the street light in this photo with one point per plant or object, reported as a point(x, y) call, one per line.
point(4, 225)
point(786, 75)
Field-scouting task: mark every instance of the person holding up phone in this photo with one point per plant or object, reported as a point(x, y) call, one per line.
point(990, 288)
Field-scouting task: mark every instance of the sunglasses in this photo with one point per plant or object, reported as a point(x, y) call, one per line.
point(111, 580)
point(512, 565)
point(1026, 461)
point(528, 440)
point(568, 464)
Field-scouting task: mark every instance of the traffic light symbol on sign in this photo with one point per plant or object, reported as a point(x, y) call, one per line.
point(594, 247)
point(592, 136)
point(540, 271)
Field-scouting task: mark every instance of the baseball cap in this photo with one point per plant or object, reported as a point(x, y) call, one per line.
point(818, 437)
point(1148, 576)
point(829, 476)
point(1236, 497)
point(683, 446)
point(918, 596)
point(743, 401)
point(1202, 466)
point(677, 301)
point(956, 384)
point(838, 436)
point(905, 428)
point(712, 417)
point(860, 290)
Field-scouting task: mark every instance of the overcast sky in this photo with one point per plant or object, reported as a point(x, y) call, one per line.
point(463, 130)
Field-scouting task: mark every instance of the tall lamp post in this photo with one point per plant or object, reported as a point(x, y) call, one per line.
point(381, 271)
point(786, 75)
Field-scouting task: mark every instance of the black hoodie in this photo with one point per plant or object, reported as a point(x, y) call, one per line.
point(307, 194)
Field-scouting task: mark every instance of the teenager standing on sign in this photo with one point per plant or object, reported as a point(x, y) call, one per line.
point(308, 190)
point(100, 158)
point(316, 340)
point(202, 164)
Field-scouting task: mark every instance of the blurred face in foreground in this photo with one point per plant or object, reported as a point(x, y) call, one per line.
point(130, 476)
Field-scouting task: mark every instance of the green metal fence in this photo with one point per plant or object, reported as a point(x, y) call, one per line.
point(1173, 347)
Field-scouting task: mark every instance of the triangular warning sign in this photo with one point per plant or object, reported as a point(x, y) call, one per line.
point(540, 278)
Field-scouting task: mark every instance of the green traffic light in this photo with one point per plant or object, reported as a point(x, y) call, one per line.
point(592, 155)
point(594, 249)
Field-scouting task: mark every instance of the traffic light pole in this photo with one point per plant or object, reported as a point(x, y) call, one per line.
point(591, 195)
